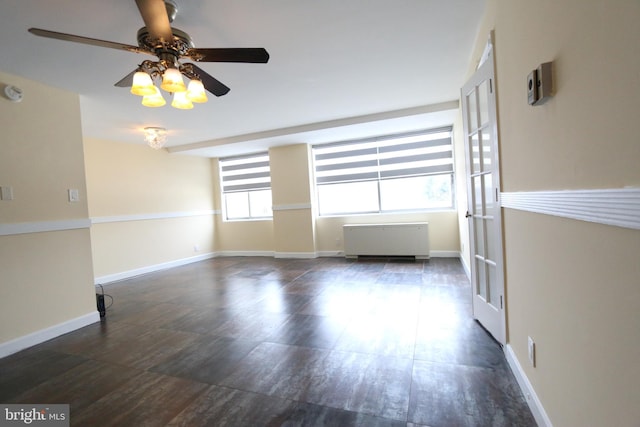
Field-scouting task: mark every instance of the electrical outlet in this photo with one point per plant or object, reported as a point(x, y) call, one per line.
point(531, 346)
point(196, 248)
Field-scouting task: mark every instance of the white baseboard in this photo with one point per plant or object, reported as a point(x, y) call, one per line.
point(330, 254)
point(444, 254)
point(527, 389)
point(245, 253)
point(34, 338)
point(463, 261)
point(110, 278)
point(304, 255)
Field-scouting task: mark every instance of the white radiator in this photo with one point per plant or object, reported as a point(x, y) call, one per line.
point(407, 239)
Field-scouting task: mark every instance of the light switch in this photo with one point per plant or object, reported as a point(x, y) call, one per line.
point(6, 193)
point(74, 195)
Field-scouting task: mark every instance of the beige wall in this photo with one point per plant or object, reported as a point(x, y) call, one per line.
point(130, 246)
point(244, 237)
point(293, 218)
point(291, 174)
point(156, 207)
point(47, 277)
point(573, 286)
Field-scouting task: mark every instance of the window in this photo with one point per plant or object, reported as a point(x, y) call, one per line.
point(405, 172)
point(246, 187)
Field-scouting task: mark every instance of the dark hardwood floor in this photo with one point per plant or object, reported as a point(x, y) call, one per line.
point(275, 342)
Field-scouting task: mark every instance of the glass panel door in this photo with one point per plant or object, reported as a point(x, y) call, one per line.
point(479, 116)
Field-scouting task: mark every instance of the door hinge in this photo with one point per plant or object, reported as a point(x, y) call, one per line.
point(497, 195)
point(490, 85)
point(501, 306)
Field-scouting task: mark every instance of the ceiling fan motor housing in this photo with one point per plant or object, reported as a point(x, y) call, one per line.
point(179, 46)
point(172, 9)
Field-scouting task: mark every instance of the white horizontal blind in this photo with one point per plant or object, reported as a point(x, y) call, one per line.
point(245, 173)
point(399, 156)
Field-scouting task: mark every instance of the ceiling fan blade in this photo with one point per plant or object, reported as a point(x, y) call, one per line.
point(154, 15)
point(210, 83)
point(127, 81)
point(253, 55)
point(86, 40)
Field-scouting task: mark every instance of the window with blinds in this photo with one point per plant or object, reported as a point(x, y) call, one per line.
point(406, 172)
point(246, 187)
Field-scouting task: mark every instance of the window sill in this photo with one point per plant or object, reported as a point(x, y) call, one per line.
point(247, 219)
point(394, 213)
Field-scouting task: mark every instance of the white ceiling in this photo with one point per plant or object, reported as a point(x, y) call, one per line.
point(338, 69)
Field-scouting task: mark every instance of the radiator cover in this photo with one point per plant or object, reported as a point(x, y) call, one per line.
point(400, 239)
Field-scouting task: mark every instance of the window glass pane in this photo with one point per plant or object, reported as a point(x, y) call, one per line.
point(473, 111)
point(489, 199)
point(476, 181)
point(491, 249)
point(483, 101)
point(246, 186)
point(416, 193)
point(494, 293)
point(410, 171)
point(481, 279)
point(260, 203)
point(475, 152)
point(487, 153)
point(351, 197)
point(478, 229)
point(237, 205)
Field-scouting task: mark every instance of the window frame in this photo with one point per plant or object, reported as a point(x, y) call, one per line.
point(244, 174)
point(440, 162)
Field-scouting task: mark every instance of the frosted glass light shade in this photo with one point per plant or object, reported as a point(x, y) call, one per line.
point(172, 81)
point(181, 101)
point(154, 100)
point(195, 92)
point(155, 137)
point(142, 84)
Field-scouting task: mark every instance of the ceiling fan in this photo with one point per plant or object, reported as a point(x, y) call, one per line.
point(169, 45)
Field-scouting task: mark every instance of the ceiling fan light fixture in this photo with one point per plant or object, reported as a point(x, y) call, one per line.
point(172, 81)
point(156, 137)
point(154, 100)
point(142, 84)
point(195, 92)
point(181, 101)
point(170, 45)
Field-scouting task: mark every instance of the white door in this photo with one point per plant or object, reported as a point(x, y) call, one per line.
point(484, 214)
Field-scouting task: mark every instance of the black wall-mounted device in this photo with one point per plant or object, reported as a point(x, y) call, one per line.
point(532, 87)
point(540, 84)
